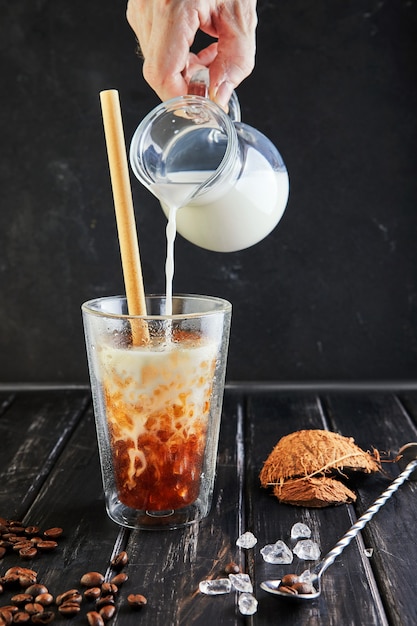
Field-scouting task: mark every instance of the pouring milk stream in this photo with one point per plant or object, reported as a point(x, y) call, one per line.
point(222, 184)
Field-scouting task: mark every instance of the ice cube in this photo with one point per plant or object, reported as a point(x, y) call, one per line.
point(307, 549)
point(215, 587)
point(241, 582)
point(300, 531)
point(247, 540)
point(248, 604)
point(305, 577)
point(278, 553)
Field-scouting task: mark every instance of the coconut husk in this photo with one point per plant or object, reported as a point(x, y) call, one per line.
point(318, 454)
point(314, 492)
point(311, 452)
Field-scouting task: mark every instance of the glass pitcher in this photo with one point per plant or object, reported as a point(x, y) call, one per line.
point(226, 180)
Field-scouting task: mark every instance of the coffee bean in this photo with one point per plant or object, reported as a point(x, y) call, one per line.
point(53, 533)
point(43, 618)
point(21, 598)
point(19, 576)
point(77, 597)
point(6, 615)
point(22, 571)
point(21, 617)
point(232, 568)
point(136, 600)
point(92, 579)
point(290, 590)
point(12, 608)
point(37, 589)
point(35, 540)
point(104, 600)
point(69, 608)
point(32, 530)
point(67, 595)
point(21, 544)
point(25, 571)
point(289, 579)
point(33, 607)
point(120, 560)
point(109, 588)
point(95, 619)
point(119, 579)
point(25, 581)
point(11, 580)
point(45, 599)
point(107, 612)
point(92, 593)
point(291, 584)
point(3, 551)
point(28, 552)
point(47, 545)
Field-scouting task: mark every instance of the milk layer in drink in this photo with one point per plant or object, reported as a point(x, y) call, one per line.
point(157, 402)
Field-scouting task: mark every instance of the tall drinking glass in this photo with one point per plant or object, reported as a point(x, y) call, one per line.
point(158, 405)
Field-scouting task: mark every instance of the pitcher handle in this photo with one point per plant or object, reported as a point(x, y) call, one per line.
point(198, 86)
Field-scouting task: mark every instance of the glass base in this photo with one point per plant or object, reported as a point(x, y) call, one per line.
point(155, 520)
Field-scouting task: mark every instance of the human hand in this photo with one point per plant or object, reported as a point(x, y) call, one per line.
point(166, 29)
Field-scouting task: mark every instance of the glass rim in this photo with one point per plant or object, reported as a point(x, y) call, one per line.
point(224, 306)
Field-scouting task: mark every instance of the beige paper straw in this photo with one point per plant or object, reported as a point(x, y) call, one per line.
point(125, 217)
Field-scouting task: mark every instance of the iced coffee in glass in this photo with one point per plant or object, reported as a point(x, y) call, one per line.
point(157, 384)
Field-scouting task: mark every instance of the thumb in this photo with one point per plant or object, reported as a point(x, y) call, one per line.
point(228, 70)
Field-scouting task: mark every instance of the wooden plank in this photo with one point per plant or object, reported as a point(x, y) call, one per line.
point(409, 402)
point(6, 399)
point(71, 497)
point(346, 598)
point(167, 566)
point(381, 420)
point(34, 427)
point(164, 566)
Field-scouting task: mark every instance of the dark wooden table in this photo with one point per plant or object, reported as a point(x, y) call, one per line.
point(49, 476)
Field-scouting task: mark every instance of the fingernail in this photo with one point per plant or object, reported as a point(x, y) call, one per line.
point(223, 93)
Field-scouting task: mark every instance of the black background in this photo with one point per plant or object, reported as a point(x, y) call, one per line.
point(330, 295)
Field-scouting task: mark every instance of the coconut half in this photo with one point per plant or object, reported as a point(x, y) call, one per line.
point(304, 467)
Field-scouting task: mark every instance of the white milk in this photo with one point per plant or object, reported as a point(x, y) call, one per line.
point(243, 216)
point(227, 218)
point(171, 231)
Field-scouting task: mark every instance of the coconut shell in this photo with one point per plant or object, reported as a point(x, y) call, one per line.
point(314, 492)
point(302, 467)
point(307, 452)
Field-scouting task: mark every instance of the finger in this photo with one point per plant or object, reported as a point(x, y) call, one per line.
point(193, 65)
point(164, 63)
point(226, 72)
point(235, 57)
point(165, 33)
point(207, 55)
point(166, 80)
